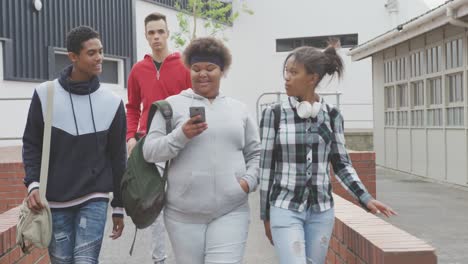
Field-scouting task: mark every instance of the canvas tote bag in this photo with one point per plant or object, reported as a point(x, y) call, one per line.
point(36, 228)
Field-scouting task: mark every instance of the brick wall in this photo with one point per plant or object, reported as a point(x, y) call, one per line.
point(364, 164)
point(9, 252)
point(12, 193)
point(12, 189)
point(362, 238)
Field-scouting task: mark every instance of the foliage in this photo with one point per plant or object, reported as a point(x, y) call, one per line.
point(214, 15)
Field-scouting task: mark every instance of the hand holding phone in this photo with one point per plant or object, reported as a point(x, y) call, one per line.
point(198, 110)
point(197, 122)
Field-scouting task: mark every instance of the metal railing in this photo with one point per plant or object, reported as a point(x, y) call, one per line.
point(260, 106)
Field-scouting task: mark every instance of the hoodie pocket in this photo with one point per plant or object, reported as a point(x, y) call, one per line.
point(198, 194)
point(228, 187)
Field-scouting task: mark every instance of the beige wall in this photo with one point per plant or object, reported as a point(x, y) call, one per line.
point(439, 153)
point(378, 109)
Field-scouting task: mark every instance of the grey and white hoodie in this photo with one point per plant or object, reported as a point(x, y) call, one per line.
point(203, 180)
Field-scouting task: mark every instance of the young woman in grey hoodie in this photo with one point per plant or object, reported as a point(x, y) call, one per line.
point(214, 166)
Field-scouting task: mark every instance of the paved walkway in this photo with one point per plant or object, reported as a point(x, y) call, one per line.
point(259, 250)
point(436, 213)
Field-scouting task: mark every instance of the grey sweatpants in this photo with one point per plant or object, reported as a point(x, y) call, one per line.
point(158, 246)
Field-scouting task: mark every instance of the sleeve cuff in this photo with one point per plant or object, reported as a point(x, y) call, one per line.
point(180, 137)
point(251, 181)
point(264, 217)
point(118, 211)
point(32, 186)
point(365, 198)
point(129, 136)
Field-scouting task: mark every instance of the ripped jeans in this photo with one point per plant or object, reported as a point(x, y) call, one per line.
point(77, 233)
point(301, 237)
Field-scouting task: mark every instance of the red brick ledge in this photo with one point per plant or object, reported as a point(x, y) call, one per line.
point(362, 238)
point(9, 252)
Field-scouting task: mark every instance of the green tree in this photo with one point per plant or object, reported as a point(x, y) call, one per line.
point(215, 16)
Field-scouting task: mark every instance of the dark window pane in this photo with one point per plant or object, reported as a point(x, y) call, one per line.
point(347, 41)
point(110, 72)
point(284, 45)
point(110, 69)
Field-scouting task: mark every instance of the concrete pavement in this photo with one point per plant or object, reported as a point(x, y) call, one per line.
point(436, 213)
point(258, 251)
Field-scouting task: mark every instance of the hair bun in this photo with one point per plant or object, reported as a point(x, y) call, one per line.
point(335, 63)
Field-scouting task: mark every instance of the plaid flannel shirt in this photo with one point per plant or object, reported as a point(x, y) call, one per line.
point(294, 164)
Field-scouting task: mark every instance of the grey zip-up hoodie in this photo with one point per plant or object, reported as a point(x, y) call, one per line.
point(203, 180)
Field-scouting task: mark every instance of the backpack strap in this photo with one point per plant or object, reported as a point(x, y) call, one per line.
point(277, 114)
point(166, 111)
point(332, 118)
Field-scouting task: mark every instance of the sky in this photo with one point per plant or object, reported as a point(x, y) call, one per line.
point(434, 3)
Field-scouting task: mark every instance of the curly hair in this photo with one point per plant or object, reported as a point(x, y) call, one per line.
point(79, 35)
point(208, 46)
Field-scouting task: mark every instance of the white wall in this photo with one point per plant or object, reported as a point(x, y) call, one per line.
point(1, 60)
point(378, 103)
point(257, 67)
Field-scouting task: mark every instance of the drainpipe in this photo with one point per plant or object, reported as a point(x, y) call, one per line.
point(451, 13)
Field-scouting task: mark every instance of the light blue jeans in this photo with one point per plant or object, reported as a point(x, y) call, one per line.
point(77, 233)
point(222, 240)
point(301, 238)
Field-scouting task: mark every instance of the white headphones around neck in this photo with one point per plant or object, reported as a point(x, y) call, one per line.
point(306, 109)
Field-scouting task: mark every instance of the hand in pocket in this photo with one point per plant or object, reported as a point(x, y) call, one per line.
point(244, 185)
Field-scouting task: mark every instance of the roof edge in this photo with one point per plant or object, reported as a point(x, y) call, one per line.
point(430, 20)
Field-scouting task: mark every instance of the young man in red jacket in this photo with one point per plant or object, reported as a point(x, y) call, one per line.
point(156, 77)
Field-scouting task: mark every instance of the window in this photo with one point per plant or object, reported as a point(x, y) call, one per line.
point(416, 64)
point(454, 54)
point(389, 106)
point(390, 97)
point(417, 104)
point(346, 41)
point(110, 68)
point(434, 59)
point(400, 69)
point(402, 116)
point(434, 113)
point(389, 69)
point(455, 108)
point(455, 87)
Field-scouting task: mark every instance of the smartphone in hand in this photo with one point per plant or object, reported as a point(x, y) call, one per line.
point(198, 110)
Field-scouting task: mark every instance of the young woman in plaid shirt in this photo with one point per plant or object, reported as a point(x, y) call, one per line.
point(296, 194)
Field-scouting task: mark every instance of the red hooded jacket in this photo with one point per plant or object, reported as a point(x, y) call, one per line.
point(146, 84)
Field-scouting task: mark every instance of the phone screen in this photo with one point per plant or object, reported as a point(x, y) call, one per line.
point(198, 110)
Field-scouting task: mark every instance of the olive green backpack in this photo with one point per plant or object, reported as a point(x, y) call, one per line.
point(142, 187)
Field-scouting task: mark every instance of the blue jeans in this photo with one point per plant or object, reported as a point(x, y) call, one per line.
point(303, 237)
point(77, 233)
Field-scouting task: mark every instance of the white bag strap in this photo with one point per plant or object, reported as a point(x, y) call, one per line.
point(46, 142)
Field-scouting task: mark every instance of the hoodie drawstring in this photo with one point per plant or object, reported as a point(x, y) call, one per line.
point(92, 115)
point(73, 111)
point(92, 118)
